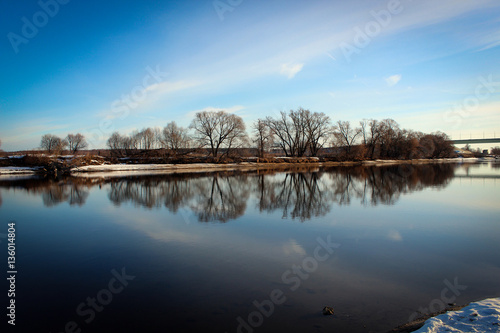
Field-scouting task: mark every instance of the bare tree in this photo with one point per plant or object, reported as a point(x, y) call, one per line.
point(219, 130)
point(118, 143)
point(301, 131)
point(301, 138)
point(290, 132)
point(48, 142)
point(157, 137)
point(436, 145)
point(174, 137)
point(374, 136)
point(363, 126)
point(136, 138)
point(134, 141)
point(148, 138)
point(282, 128)
point(409, 144)
point(318, 130)
point(114, 141)
point(263, 136)
point(345, 135)
point(52, 143)
point(76, 142)
point(389, 132)
point(129, 143)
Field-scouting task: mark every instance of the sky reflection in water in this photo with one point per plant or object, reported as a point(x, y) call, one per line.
point(204, 247)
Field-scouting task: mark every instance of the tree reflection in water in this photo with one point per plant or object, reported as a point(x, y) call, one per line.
point(223, 196)
point(53, 192)
point(220, 198)
point(141, 191)
point(212, 197)
point(72, 193)
point(298, 195)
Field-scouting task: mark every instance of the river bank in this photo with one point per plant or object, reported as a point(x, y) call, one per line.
point(125, 168)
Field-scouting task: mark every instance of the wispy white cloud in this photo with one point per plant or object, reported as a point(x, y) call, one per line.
point(264, 53)
point(393, 80)
point(290, 70)
point(150, 95)
point(171, 87)
point(262, 50)
point(426, 13)
point(490, 40)
point(258, 59)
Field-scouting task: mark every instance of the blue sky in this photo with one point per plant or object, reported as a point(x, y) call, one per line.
point(96, 67)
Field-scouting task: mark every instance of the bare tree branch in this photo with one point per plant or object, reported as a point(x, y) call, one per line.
point(219, 130)
point(76, 142)
point(175, 138)
point(53, 143)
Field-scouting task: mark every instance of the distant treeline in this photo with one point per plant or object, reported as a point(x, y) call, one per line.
point(297, 133)
point(294, 134)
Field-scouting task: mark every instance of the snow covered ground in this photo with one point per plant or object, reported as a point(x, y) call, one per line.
point(483, 316)
point(17, 170)
point(144, 167)
point(423, 161)
point(194, 167)
point(118, 170)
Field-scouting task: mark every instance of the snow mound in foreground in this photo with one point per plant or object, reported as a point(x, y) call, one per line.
point(483, 316)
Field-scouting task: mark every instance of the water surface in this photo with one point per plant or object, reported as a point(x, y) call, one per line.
point(260, 251)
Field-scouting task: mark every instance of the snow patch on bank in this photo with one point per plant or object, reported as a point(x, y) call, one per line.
point(483, 316)
point(150, 169)
point(17, 170)
point(422, 161)
point(142, 167)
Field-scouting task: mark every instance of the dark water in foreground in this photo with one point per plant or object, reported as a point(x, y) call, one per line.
point(251, 251)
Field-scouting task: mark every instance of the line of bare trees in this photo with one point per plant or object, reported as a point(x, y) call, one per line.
point(72, 142)
point(172, 137)
point(300, 133)
point(219, 132)
point(385, 139)
point(296, 133)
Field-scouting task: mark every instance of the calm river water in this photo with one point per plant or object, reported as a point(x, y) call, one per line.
point(260, 251)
